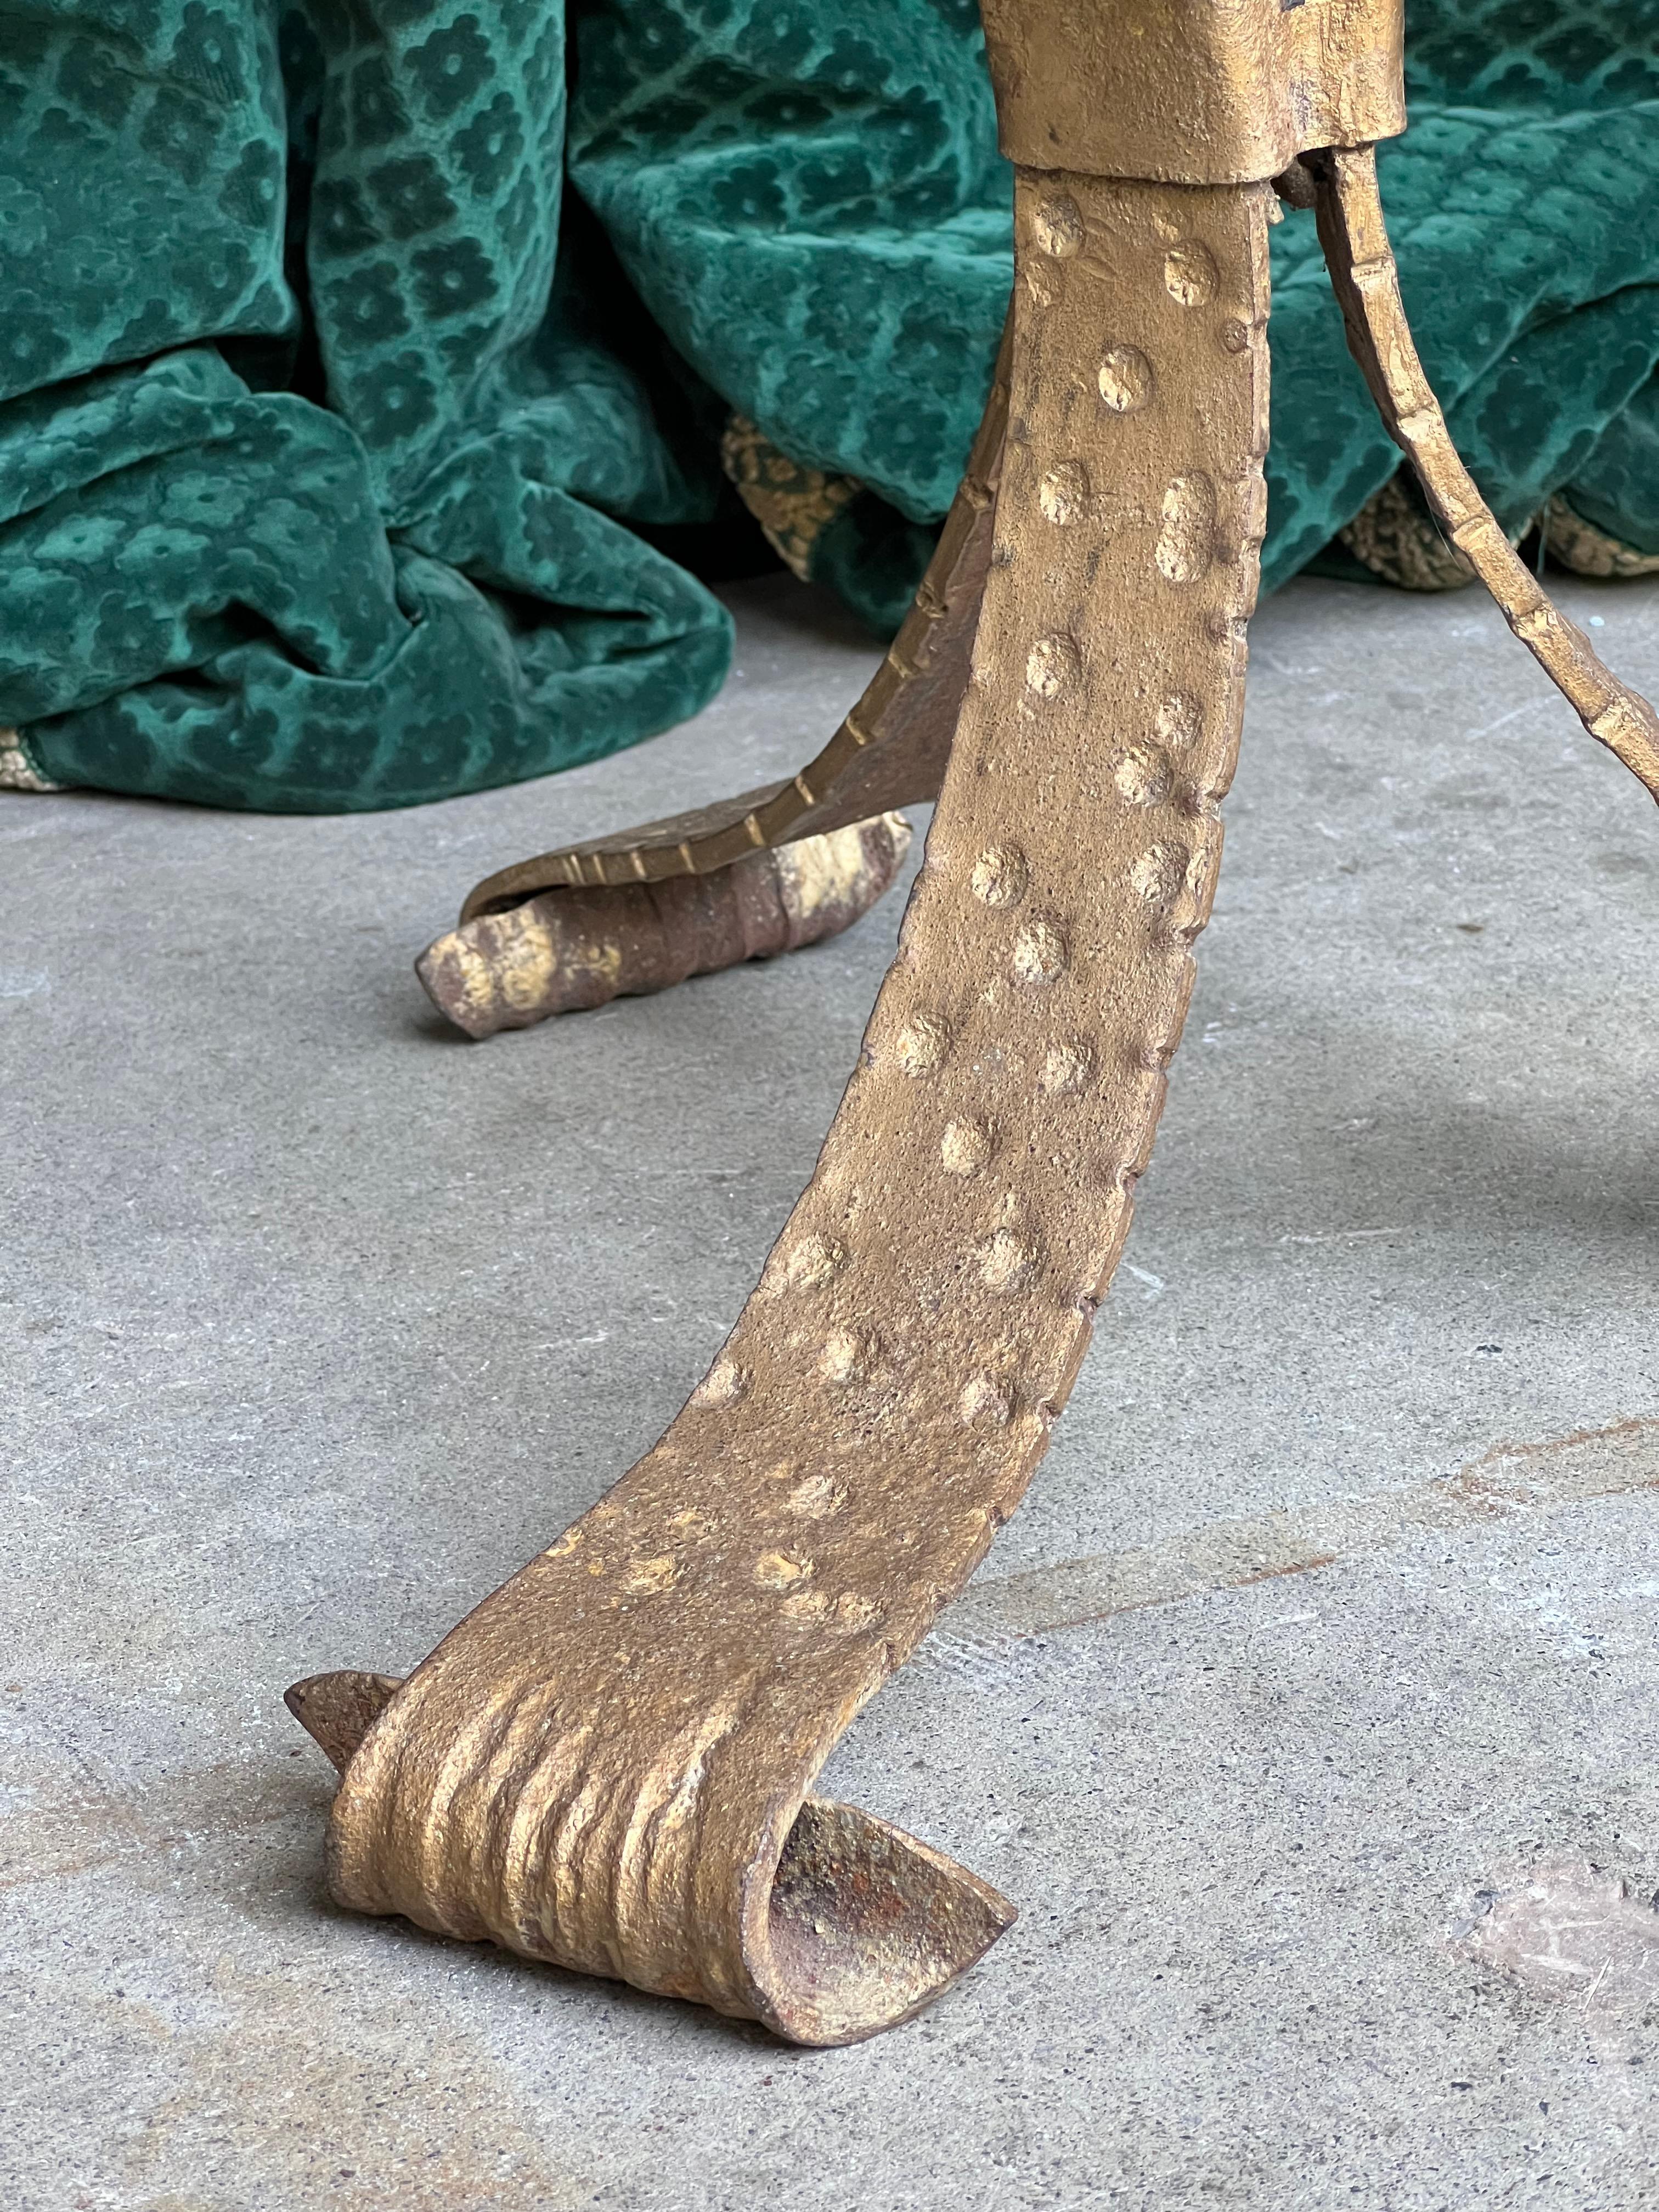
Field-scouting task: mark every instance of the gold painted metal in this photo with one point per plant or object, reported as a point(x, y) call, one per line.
point(563, 951)
point(1367, 284)
point(607, 1764)
point(889, 751)
point(611, 1763)
point(1195, 92)
point(17, 771)
point(1397, 537)
point(1590, 551)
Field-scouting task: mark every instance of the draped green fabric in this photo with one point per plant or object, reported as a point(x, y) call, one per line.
point(364, 362)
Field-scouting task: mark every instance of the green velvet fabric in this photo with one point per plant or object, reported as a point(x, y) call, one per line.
point(363, 362)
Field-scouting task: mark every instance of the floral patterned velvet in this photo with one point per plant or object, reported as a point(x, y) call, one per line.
point(359, 381)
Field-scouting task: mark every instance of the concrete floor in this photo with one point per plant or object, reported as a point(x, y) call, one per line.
point(1294, 1709)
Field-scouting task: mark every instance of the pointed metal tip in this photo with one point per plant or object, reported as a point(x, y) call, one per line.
point(337, 1710)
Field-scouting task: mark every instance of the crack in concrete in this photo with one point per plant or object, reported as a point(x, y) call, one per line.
point(1507, 1483)
point(60, 1841)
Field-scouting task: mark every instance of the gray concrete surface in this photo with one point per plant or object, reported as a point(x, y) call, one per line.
point(314, 1321)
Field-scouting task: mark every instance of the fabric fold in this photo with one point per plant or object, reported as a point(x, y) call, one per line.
point(300, 313)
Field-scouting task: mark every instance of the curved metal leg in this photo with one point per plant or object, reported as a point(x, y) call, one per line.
point(889, 751)
point(610, 1762)
point(761, 873)
point(1367, 284)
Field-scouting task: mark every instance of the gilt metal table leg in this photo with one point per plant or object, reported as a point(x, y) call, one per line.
point(642, 908)
point(607, 1763)
point(889, 751)
point(1367, 285)
point(610, 1763)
